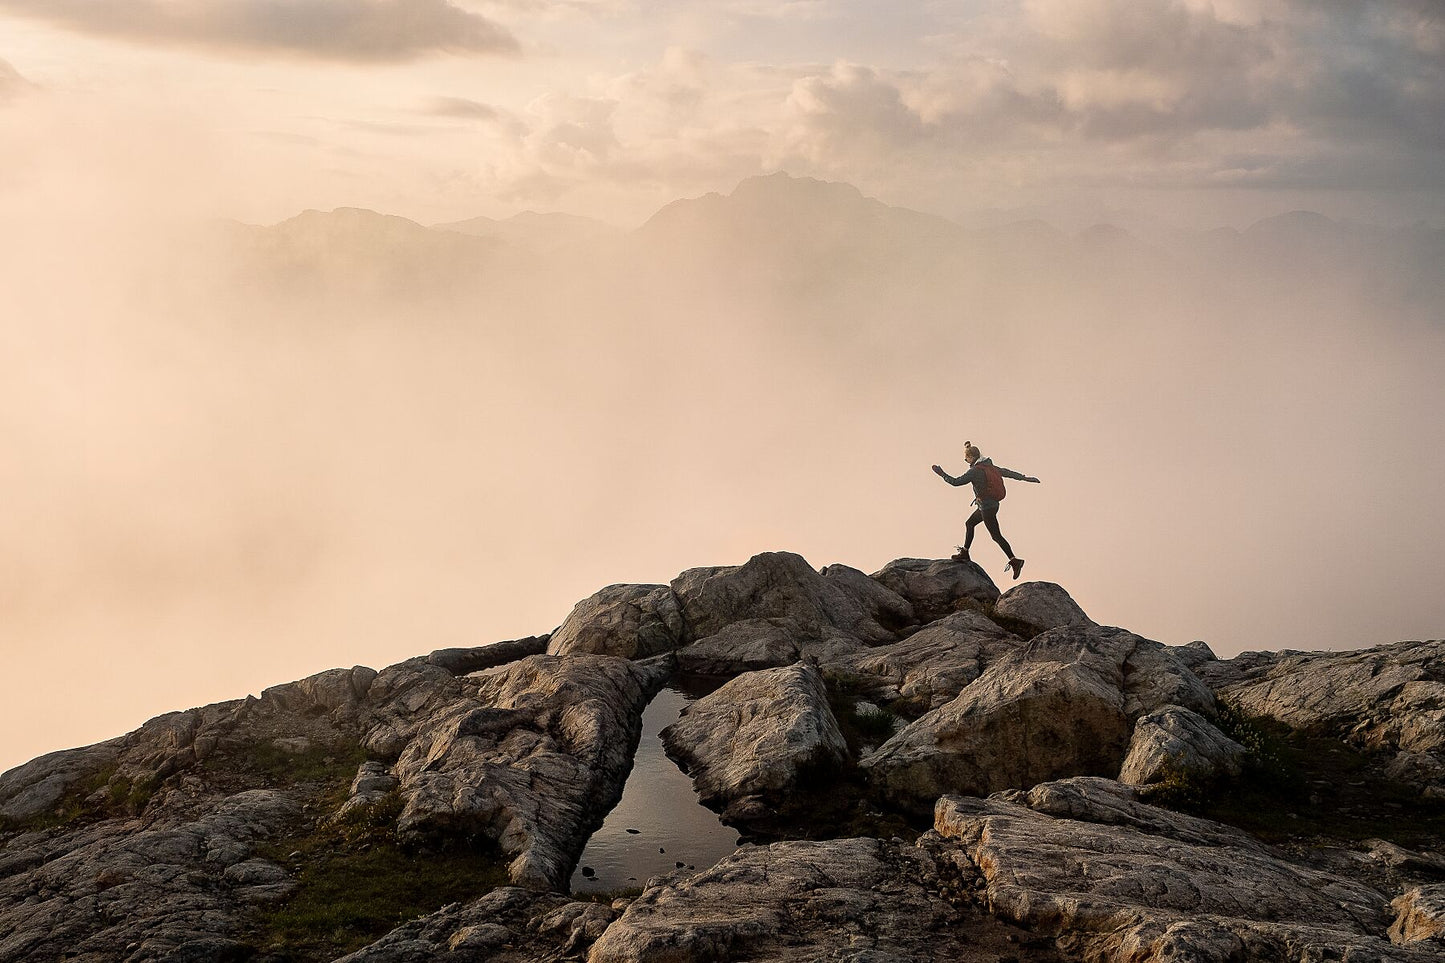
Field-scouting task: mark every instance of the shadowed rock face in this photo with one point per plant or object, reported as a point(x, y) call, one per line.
point(930, 667)
point(754, 644)
point(1042, 605)
point(507, 924)
point(1175, 741)
point(747, 745)
point(1063, 704)
point(1390, 698)
point(936, 587)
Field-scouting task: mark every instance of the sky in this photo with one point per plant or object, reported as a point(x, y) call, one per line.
point(213, 483)
point(1197, 112)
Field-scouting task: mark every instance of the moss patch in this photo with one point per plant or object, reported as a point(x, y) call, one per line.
point(353, 895)
point(262, 763)
point(1302, 785)
point(357, 882)
point(84, 803)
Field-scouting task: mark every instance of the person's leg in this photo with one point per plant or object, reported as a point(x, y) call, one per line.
point(990, 519)
point(971, 524)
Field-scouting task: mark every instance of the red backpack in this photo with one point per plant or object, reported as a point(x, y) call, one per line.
point(993, 483)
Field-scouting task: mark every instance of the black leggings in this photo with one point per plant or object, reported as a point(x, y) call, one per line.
point(990, 521)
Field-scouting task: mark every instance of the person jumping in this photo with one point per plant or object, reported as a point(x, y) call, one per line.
point(987, 479)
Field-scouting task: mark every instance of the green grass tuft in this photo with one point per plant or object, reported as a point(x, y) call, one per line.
point(349, 895)
point(1303, 785)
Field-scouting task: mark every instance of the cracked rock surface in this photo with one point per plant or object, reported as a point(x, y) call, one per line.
point(843, 899)
point(1154, 887)
point(1387, 698)
point(533, 759)
point(749, 743)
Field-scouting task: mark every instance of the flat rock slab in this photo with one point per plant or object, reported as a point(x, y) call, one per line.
point(121, 890)
point(862, 900)
point(748, 744)
point(1123, 892)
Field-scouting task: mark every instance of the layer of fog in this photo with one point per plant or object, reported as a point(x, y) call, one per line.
point(237, 456)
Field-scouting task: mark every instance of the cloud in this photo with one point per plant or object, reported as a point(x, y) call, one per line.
point(463, 108)
point(342, 30)
point(1005, 99)
point(11, 83)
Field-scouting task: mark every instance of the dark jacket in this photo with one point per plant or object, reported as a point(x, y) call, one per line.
point(975, 475)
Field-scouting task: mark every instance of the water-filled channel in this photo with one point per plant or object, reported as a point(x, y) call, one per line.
point(658, 823)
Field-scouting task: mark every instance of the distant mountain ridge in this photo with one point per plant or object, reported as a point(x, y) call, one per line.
point(808, 242)
point(791, 208)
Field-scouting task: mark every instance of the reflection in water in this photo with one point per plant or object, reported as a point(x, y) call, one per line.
point(658, 802)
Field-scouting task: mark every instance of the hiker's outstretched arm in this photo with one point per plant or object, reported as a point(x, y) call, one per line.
point(1010, 473)
point(961, 479)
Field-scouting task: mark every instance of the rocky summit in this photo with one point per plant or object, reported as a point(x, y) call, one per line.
point(918, 767)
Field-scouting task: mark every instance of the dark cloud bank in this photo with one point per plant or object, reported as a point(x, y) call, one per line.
point(343, 30)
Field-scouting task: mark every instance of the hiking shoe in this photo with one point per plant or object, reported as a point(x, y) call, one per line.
point(1017, 564)
point(961, 555)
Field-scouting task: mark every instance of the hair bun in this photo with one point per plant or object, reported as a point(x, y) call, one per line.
point(968, 444)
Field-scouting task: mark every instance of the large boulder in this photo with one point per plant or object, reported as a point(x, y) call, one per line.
point(937, 587)
point(630, 621)
point(533, 760)
point(777, 585)
point(1042, 606)
point(754, 644)
point(329, 691)
point(748, 744)
point(1156, 889)
point(885, 606)
point(1063, 704)
point(1174, 741)
point(930, 667)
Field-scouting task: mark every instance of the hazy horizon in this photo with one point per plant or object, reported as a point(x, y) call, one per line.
point(241, 453)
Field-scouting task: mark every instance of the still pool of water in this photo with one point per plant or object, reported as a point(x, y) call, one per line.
point(658, 822)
